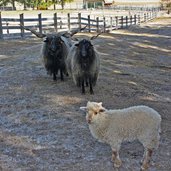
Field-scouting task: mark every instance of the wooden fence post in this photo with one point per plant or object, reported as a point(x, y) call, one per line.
point(150, 15)
point(69, 26)
point(40, 22)
point(126, 18)
point(89, 29)
point(122, 22)
point(131, 20)
point(139, 20)
point(79, 21)
point(135, 19)
point(104, 24)
point(22, 24)
point(1, 29)
point(55, 22)
point(7, 27)
point(116, 18)
point(144, 17)
point(111, 23)
point(155, 14)
point(60, 24)
point(97, 24)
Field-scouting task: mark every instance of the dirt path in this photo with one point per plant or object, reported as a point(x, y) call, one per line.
point(41, 127)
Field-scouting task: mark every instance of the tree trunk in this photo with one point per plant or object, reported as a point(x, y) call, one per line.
point(54, 6)
point(46, 5)
point(62, 4)
point(13, 5)
point(25, 7)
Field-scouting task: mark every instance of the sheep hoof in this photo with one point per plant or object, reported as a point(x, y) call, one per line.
point(92, 93)
point(144, 167)
point(82, 92)
point(54, 77)
point(117, 163)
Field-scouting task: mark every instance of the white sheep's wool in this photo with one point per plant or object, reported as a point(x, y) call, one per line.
point(115, 126)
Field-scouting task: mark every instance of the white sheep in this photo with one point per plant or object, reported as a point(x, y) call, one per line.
point(115, 126)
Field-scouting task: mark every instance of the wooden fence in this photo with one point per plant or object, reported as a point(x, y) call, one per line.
point(10, 27)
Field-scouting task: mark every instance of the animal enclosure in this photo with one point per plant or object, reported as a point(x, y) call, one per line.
point(41, 126)
point(11, 27)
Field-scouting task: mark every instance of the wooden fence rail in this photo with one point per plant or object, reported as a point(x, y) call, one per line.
point(11, 27)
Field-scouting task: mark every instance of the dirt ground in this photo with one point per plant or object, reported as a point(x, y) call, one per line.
point(41, 126)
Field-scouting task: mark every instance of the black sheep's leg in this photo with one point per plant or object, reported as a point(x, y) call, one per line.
point(65, 71)
point(82, 86)
point(54, 76)
point(79, 82)
point(67, 74)
point(61, 73)
point(86, 80)
point(86, 83)
point(91, 87)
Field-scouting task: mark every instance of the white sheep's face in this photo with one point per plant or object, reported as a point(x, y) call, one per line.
point(93, 110)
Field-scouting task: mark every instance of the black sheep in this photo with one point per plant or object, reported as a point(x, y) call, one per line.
point(83, 64)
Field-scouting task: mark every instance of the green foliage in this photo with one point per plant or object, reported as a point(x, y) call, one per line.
point(168, 5)
point(39, 4)
point(63, 2)
point(4, 2)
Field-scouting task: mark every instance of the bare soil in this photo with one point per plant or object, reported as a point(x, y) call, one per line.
point(41, 127)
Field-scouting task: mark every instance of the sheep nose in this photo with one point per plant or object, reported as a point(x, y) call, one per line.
point(89, 121)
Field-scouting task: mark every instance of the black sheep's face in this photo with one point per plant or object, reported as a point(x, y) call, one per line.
point(54, 44)
point(85, 48)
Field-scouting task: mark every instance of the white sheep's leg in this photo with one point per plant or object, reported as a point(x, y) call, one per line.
point(116, 159)
point(146, 160)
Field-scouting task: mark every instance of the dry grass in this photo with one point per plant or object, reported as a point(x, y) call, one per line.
point(41, 125)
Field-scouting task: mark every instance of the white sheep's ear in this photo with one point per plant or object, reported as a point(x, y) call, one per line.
point(100, 103)
point(88, 103)
point(83, 109)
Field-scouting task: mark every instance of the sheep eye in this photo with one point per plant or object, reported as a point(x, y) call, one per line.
point(95, 113)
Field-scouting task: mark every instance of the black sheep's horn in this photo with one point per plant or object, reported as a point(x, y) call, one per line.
point(39, 35)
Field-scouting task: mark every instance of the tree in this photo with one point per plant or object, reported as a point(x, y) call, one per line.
point(167, 5)
point(54, 2)
point(5, 2)
point(39, 4)
point(63, 2)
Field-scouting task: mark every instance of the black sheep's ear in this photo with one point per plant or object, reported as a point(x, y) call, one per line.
point(61, 41)
point(45, 40)
point(77, 44)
